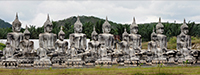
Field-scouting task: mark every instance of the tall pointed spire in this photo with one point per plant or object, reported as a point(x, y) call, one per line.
point(94, 28)
point(134, 20)
point(26, 30)
point(78, 18)
point(61, 28)
point(106, 18)
point(26, 27)
point(159, 19)
point(153, 29)
point(16, 21)
point(47, 16)
point(159, 25)
point(78, 22)
point(184, 25)
point(134, 23)
point(16, 16)
point(125, 29)
point(184, 21)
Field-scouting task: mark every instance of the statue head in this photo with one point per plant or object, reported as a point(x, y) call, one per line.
point(27, 34)
point(78, 26)
point(16, 24)
point(61, 34)
point(125, 35)
point(8, 44)
point(48, 26)
point(106, 26)
point(133, 27)
point(184, 28)
point(94, 35)
point(153, 36)
point(159, 27)
point(182, 37)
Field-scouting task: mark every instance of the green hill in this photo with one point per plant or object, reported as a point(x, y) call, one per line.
point(4, 24)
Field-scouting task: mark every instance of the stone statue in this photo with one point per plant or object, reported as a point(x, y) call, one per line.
point(16, 36)
point(44, 60)
point(162, 39)
point(94, 45)
point(26, 45)
point(78, 38)
point(8, 51)
point(106, 38)
point(152, 45)
point(123, 45)
point(61, 45)
point(184, 42)
point(135, 40)
point(48, 39)
point(42, 53)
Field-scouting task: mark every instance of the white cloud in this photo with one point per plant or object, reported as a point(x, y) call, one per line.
point(34, 12)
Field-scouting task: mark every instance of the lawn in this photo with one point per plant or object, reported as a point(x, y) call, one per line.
point(178, 70)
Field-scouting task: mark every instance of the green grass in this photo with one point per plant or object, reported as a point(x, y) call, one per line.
point(106, 71)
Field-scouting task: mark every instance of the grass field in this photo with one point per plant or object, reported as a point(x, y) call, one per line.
point(178, 70)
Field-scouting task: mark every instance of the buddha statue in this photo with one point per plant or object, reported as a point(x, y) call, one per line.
point(162, 39)
point(152, 45)
point(8, 59)
point(94, 45)
point(8, 51)
point(16, 36)
point(48, 39)
point(42, 52)
point(135, 40)
point(26, 45)
point(106, 38)
point(61, 46)
point(79, 39)
point(184, 41)
point(123, 45)
point(44, 60)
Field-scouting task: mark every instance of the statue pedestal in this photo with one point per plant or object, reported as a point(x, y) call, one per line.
point(186, 60)
point(105, 61)
point(159, 61)
point(10, 63)
point(42, 63)
point(75, 62)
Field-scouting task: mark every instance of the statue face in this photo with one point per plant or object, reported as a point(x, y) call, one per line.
point(62, 36)
point(17, 27)
point(154, 38)
point(26, 36)
point(182, 38)
point(134, 30)
point(107, 29)
point(49, 28)
point(126, 38)
point(8, 45)
point(185, 30)
point(95, 37)
point(160, 30)
point(78, 28)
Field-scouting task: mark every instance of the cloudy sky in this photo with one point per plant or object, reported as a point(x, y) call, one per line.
point(145, 11)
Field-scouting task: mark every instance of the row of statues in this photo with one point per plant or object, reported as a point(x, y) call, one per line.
point(102, 48)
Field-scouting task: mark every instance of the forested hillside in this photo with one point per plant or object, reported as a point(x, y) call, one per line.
point(4, 24)
point(145, 30)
